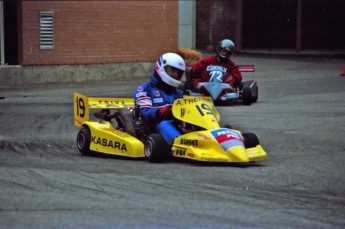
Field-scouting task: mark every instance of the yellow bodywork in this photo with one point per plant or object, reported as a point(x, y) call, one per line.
point(202, 146)
point(106, 139)
point(197, 110)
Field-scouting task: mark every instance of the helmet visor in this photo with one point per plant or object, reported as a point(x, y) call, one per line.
point(224, 52)
point(173, 72)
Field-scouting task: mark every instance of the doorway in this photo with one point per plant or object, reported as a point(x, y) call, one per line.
point(269, 24)
point(10, 10)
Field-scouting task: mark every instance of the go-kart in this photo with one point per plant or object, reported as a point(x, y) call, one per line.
point(246, 92)
point(202, 138)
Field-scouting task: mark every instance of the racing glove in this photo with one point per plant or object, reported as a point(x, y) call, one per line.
point(164, 112)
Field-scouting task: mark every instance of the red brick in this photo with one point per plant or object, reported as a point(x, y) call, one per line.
point(88, 32)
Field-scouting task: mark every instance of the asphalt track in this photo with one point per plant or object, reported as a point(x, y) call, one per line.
point(299, 119)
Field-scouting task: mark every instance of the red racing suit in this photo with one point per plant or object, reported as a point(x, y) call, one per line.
point(209, 67)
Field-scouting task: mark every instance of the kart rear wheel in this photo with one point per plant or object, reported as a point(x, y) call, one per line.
point(247, 95)
point(156, 149)
point(83, 141)
point(124, 118)
point(250, 140)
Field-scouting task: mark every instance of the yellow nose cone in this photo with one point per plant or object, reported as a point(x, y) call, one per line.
point(237, 154)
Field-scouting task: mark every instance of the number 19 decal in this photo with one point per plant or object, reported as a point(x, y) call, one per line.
point(80, 107)
point(204, 109)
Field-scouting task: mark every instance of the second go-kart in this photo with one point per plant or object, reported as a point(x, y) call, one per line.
point(247, 92)
point(124, 133)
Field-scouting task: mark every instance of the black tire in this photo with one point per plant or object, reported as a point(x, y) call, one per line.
point(83, 141)
point(156, 149)
point(255, 98)
point(228, 126)
point(250, 140)
point(247, 95)
point(125, 120)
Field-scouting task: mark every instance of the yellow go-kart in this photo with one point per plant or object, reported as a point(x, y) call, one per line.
point(124, 133)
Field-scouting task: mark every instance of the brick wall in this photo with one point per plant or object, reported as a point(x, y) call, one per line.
point(88, 32)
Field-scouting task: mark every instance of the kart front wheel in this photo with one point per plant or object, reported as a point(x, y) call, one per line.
point(247, 96)
point(250, 140)
point(227, 126)
point(255, 98)
point(156, 149)
point(83, 141)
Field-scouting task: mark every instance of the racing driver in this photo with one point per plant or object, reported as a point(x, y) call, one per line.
point(219, 66)
point(155, 98)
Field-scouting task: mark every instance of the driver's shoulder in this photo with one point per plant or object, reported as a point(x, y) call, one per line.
point(143, 87)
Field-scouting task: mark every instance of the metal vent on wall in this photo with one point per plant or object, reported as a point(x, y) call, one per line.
point(46, 30)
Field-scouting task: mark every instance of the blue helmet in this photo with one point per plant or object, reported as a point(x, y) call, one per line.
point(225, 49)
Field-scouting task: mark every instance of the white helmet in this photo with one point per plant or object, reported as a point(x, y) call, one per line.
point(170, 67)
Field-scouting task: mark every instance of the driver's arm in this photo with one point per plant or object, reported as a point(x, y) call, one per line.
point(144, 101)
point(196, 73)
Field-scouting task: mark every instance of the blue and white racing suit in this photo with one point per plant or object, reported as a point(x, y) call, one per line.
point(151, 96)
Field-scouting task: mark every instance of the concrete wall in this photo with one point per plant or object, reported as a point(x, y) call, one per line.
point(29, 75)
